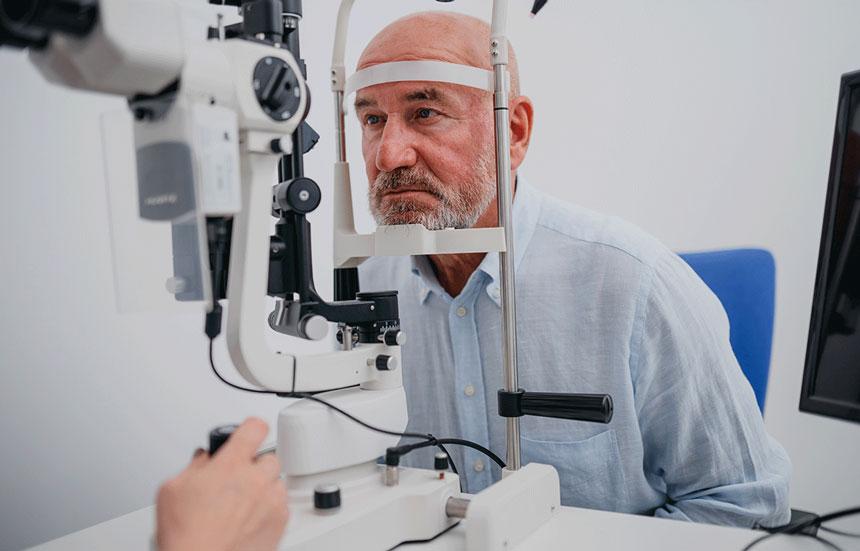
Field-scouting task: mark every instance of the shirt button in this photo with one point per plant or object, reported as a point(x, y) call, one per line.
point(469, 390)
point(495, 292)
point(478, 465)
point(461, 311)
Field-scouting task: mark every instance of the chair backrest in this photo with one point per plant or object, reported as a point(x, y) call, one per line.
point(744, 281)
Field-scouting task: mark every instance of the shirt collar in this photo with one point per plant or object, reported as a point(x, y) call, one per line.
point(427, 278)
point(525, 212)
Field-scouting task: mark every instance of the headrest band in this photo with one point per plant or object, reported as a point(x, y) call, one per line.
point(432, 71)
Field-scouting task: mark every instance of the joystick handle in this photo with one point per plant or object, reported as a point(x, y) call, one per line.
point(219, 435)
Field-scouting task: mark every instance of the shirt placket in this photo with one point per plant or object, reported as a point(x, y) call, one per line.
point(469, 385)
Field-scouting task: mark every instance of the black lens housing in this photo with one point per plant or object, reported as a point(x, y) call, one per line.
point(30, 23)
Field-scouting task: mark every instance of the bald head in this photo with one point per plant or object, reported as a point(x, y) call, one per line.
point(437, 35)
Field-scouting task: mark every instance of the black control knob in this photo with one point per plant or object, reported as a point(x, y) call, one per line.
point(301, 195)
point(394, 337)
point(327, 497)
point(277, 88)
point(384, 362)
point(219, 435)
point(440, 461)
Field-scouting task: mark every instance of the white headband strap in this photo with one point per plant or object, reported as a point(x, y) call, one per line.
point(433, 71)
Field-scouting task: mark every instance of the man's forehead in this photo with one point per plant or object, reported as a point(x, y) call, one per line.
point(411, 39)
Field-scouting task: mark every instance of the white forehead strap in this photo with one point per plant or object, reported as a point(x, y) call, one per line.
point(432, 71)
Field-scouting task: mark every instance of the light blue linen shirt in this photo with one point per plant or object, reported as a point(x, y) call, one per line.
point(601, 308)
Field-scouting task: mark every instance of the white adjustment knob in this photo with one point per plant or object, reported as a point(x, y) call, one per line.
point(314, 327)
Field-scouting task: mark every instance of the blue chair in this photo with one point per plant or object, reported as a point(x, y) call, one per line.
point(744, 281)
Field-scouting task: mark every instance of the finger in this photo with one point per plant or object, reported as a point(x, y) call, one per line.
point(270, 467)
point(243, 443)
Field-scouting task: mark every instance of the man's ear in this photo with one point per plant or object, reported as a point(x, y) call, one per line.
point(522, 118)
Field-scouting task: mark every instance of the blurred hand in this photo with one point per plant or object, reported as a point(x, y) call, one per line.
point(228, 502)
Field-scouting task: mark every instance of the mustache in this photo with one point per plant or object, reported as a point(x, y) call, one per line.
point(408, 178)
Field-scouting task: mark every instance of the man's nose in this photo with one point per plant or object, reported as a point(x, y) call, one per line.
point(396, 147)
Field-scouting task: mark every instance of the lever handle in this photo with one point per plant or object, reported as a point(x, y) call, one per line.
point(595, 408)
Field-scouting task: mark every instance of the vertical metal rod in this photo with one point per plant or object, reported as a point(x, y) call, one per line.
point(340, 131)
point(499, 53)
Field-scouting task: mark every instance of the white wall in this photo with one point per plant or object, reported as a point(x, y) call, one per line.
point(708, 123)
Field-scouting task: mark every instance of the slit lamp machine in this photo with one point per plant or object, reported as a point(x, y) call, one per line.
point(219, 134)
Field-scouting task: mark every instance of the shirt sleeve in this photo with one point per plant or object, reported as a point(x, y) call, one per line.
point(705, 445)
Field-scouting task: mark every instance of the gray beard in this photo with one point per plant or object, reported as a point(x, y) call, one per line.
point(444, 216)
point(455, 210)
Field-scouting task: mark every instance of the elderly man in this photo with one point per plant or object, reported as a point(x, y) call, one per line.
point(603, 308)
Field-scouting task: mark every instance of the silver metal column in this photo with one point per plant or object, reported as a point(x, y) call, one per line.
point(457, 507)
point(339, 125)
point(499, 53)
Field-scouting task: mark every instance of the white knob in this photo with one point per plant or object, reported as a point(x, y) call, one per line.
point(314, 327)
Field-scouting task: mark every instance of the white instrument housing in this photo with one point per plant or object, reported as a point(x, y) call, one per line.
point(135, 48)
point(306, 421)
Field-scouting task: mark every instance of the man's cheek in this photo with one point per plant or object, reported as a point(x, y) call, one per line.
point(368, 152)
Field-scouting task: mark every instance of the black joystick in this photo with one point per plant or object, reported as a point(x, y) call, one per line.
point(219, 435)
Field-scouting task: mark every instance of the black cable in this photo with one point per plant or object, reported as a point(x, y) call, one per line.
point(428, 540)
point(450, 459)
point(796, 529)
point(832, 516)
point(826, 542)
point(225, 381)
point(498, 460)
point(839, 532)
point(428, 439)
point(310, 396)
point(407, 448)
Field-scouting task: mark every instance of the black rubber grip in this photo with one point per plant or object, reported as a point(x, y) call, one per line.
point(219, 436)
point(595, 408)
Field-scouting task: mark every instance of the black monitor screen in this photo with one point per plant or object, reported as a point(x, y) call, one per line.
point(831, 379)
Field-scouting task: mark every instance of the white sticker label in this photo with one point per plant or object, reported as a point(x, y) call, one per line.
point(217, 149)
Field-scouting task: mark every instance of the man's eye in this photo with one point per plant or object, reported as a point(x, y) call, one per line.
point(372, 119)
point(425, 113)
